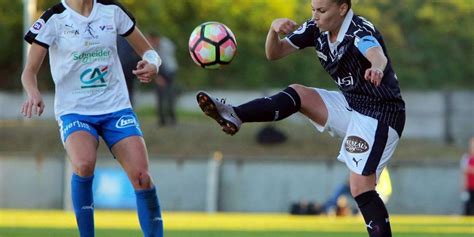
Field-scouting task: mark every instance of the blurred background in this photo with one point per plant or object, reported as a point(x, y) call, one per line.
point(199, 168)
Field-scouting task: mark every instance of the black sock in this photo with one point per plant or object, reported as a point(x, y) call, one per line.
point(375, 214)
point(274, 108)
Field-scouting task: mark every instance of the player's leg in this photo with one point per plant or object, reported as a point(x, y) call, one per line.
point(126, 143)
point(276, 107)
point(81, 147)
point(366, 149)
point(132, 155)
point(81, 141)
point(312, 104)
point(370, 205)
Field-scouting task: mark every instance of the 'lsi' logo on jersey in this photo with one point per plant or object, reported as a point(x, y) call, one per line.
point(345, 81)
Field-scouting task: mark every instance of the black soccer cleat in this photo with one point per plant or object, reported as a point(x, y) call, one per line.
point(223, 113)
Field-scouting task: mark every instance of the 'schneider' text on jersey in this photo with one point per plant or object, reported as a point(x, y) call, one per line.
point(347, 65)
point(83, 56)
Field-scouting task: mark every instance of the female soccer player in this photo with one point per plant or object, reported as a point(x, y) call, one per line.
point(91, 98)
point(368, 112)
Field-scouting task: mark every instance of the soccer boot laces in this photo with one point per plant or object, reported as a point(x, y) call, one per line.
point(223, 113)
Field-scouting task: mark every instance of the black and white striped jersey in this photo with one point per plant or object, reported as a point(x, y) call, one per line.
point(347, 65)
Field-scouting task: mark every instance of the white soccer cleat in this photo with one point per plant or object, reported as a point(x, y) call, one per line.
point(223, 113)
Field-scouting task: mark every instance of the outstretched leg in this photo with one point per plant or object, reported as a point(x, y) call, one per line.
point(274, 108)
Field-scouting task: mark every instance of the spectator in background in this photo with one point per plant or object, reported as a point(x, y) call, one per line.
point(337, 202)
point(128, 59)
point(165, 88)
point(467, 167)
point(304, 207)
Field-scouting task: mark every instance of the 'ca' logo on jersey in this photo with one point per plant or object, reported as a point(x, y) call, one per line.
point(91, 78)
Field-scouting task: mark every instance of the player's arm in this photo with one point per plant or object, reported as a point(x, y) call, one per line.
point(147, 68)
point(275, 47)
point(371, 49)
point(378, 60)
point(34, 103)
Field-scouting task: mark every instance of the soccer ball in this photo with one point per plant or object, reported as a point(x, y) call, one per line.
point(212, 45)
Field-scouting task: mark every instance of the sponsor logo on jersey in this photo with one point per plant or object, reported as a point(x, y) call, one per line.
point(321, 55)
point(106, 27)
point(90, 57)
point(88, 43)
point(37, 26)
point(90, 30)
point(355, 144)
point(70, 31)
point(345, 81)
point(91, 78)
point(301, 29)
point(126, 121)
point(341, 52)
point(77, 123)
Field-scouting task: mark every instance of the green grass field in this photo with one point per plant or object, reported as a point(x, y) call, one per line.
point(27, 232)
point(33, 223)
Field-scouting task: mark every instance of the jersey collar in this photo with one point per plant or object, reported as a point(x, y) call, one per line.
point(94, 7)
point(345, 26)
point(342, 32)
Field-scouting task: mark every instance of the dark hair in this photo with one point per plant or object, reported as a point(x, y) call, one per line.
point(340, 2)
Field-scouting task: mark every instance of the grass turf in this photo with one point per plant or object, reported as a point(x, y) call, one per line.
point(51, 223)
point(36, 232)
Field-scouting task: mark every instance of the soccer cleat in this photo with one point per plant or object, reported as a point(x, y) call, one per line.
point(223, 113)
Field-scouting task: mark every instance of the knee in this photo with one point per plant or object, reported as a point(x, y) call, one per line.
point(358, 189)
point(305, 93)
point(141, 180)
point(84, 168)
point(300, 89)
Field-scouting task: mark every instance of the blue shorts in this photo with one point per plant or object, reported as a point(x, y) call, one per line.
point(112, 127)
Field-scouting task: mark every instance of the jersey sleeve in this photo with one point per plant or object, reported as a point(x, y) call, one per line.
point(365, 43)
point(304, 36)
point(124, 21)
point(43, 31)
point(366, 36)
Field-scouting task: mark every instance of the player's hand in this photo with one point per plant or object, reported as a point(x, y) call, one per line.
point(145, 71)
point(283, 25)
point(34, 105)
point(374, 76)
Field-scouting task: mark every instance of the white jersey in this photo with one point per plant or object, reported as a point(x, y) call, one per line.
point(85, 67)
